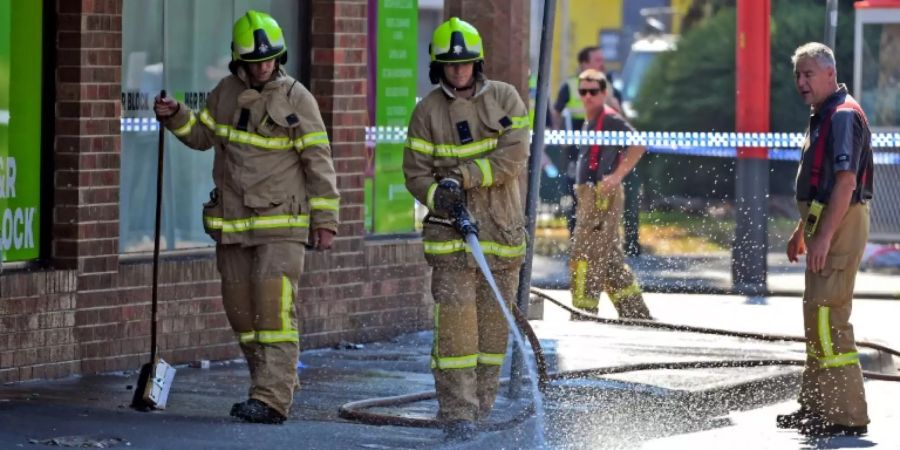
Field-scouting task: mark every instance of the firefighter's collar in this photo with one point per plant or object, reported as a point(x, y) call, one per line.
point(481, 84)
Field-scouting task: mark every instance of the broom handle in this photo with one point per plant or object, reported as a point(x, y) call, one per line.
point(156, 228)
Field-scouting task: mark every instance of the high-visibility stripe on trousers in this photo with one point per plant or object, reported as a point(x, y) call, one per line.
point(259, 285)
point(597, 261)
point(470, 336)
point(832, 383)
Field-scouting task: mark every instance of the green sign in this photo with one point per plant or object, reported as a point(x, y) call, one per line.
point(20, 129)
point(392, 206)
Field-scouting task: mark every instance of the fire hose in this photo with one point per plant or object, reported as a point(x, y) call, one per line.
point(358, 410)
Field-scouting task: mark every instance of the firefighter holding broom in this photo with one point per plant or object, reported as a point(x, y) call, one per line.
point(275, 191)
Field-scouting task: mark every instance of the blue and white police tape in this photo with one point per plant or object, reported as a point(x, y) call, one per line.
point(138, 124)
point(782, 146)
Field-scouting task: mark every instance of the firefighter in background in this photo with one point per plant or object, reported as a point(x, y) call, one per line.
point(834, 187)
point(568, 113)
point(275, 181)
point(466, 149)
point(597, 262)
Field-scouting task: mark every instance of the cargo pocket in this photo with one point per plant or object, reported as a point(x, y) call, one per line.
point(834, 282)
point(267, 204)
point(212, 216)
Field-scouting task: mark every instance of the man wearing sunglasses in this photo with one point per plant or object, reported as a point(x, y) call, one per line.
point(597, 262)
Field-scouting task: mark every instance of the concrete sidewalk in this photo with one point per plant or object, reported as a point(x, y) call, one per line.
point(700, 409)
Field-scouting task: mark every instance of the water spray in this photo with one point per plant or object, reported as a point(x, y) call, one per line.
point(466, 226)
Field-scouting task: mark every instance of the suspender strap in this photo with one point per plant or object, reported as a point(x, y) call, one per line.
point(594, 156)
point(815, 173)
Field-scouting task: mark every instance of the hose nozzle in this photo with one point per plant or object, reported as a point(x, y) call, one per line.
point(463, 222)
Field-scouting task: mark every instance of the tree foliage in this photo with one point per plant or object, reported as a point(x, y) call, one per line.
point(693, 89)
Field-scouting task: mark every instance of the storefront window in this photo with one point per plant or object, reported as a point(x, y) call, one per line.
point(394, 50)
point(881, 74)
point(20, 129)
point(184, 47)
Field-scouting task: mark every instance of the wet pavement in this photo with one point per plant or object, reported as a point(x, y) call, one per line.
point(659, 409)
point(711, 273)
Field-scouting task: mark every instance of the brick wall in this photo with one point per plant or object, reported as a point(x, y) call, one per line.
point(375, 289)
point(89, 312)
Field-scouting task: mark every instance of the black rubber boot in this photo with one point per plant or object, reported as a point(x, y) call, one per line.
point(255, 411)
point(794, 419)
point(818, 426)
point(460, 430)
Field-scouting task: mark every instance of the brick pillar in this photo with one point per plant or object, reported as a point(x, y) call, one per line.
point(338, 81)
point(87, 145)
point(504, 28)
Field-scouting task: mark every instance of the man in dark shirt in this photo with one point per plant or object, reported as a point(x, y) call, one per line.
point(568, 100)
point(834, 185)
point(597, 262)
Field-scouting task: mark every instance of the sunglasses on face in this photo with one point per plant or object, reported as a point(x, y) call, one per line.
point(593, 91)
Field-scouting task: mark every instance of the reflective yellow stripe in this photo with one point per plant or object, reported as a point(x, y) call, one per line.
point(419, 145)
point(454, 362)
point(243, 137)
point(628, 291)
point(272, 337)
point(186, 128)
point(207, 119)
point(825, 331)
point(574, 105)
point(490, 359)
point(247, 336)
point(444, 248)
point(287, 304)
point(488, 247)
point(505, 251)
point(487, 173)
point(269, 143)
point(256, 223)
point(437, 323)
point(520, 121)
point(829, 359)
point(844, 359)
point(579, 299)
point(331, 204)
point(450, 150)
point(310, 139)
point(429, 197)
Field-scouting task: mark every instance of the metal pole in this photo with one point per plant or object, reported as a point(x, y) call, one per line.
point(748, 266)
point(631, 216)
point(831, 20)
point(534, 181)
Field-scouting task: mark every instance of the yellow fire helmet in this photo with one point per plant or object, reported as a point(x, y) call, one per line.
point(456, 41)
point(257, 37)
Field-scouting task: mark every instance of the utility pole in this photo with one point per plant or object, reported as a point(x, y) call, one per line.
point(750, 249)
point(534, 182)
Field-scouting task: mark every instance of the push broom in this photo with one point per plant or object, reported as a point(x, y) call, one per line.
point(156, 377)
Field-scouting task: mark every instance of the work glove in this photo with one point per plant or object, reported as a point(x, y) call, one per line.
point(449, 196)
point(464, 222)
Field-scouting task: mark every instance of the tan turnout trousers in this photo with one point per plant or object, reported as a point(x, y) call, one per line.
point(832, 379)
point(469, 340)
point(259, 284)
point(597, 261)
